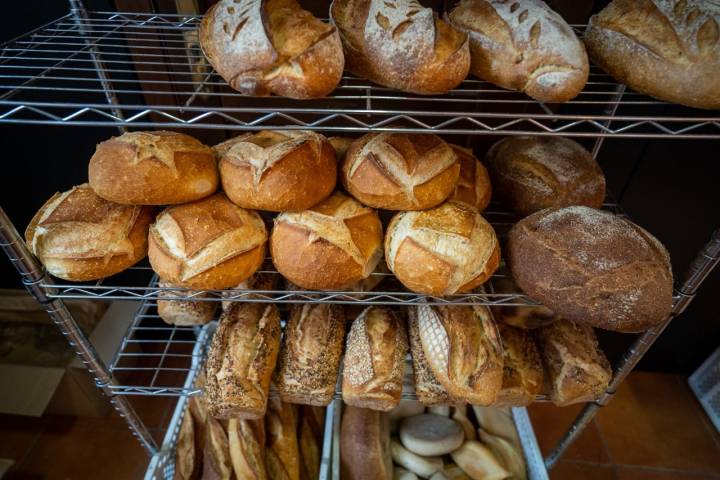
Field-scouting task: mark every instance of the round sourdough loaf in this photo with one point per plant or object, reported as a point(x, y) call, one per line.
point(441, 251)
point(398, 171)
point(272, 46)
point(473, 186)
point(79, 236)
point(208, 244)
point(532, 173)
point(277, 171)
point(592, 267)
point(153, 168)
point(330, 246)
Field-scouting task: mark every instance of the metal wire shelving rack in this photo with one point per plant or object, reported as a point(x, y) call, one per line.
point(146, 70)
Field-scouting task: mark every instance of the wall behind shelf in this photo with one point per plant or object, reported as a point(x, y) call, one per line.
point(672, 188)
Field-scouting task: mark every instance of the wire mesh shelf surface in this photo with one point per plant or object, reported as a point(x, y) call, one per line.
point(160, 78)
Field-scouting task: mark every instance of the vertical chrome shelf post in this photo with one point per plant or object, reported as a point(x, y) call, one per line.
point(704, 263)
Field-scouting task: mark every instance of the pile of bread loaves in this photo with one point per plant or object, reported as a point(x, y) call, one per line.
point(284, 445)
point(667, 49)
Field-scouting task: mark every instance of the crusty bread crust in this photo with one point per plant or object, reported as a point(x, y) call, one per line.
point(669, 50)
point(522, 368)
point(365, 445)
point(473, 185)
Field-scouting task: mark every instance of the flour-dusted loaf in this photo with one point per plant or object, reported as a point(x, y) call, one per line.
point(241, 360)
point(576, 367)
point(153, 168)
point(330, 246)
point(79, 236)
point(272, 46)
point(184, 312)
point(374, 360)
point(399, 171)
point(208, 244)
point(669, 49)
point(532, 173)
point(365, 445)
point(428, 389)
point(447, 249)
point(523, 45)
point(522, 368)
point(524, 317)
point(400, 44)
point(592, 267)
point(277, 171)
point(463, 349)
point(473, 186)
point(309, 359)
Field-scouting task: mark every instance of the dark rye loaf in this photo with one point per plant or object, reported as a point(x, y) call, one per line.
point(592, 267)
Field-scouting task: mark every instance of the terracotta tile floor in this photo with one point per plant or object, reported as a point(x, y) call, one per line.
point(653, 430)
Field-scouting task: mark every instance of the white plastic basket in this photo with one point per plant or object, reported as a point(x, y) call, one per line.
point(705, 383)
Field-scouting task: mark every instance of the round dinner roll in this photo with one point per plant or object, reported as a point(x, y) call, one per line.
point(330, 246)
point(208, 244)
point(277, 171)
point(441, 251)
point(153, 168)
point(592, 267)
point(431, 435)
point(79, 236)
point(532, 173)
point(400, 171)
point(473, 186)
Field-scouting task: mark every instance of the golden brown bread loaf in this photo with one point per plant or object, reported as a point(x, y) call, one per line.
point(576, 367)
point(400, 44)
point(184, 312)
point(283, 456)
point(667, 49)
point(277, 171)
point(532, 173)
point(398, 171)
point(309, 358)
point(188, 458)
point(246, 441)
point(592, 267)
point(79, 236)
point(374, 360)
point(523, 45)
point(365, 445)
point(153, 168)
point(527, 318)
point(522, 368)
point(330, 246)
point(208, 244)
point(241, 360)
point(463, 350)
point(310, 439)
point(428, 389)
point(272, 46)
point(473, 185)
point(216, 458)
point(341, 145)
point(263, 279)
point(441, 251)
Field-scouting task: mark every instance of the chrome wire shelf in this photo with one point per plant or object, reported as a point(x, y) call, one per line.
point(158, 359)
point(160, 78)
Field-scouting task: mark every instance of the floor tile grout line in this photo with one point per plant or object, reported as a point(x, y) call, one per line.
point(643, 467)
point(604, 442)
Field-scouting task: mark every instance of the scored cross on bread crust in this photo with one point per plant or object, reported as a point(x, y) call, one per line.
point(188, 241)
point(332, 245)
point(400, 171)
point(441, 251)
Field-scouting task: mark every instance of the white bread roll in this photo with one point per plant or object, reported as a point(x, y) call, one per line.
point(79, 236)
point(441, 251)
point(330, 246)
point(272, 46)
point(277, 171)
point(153, 168)
point(208, 244)
point(399, 171)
